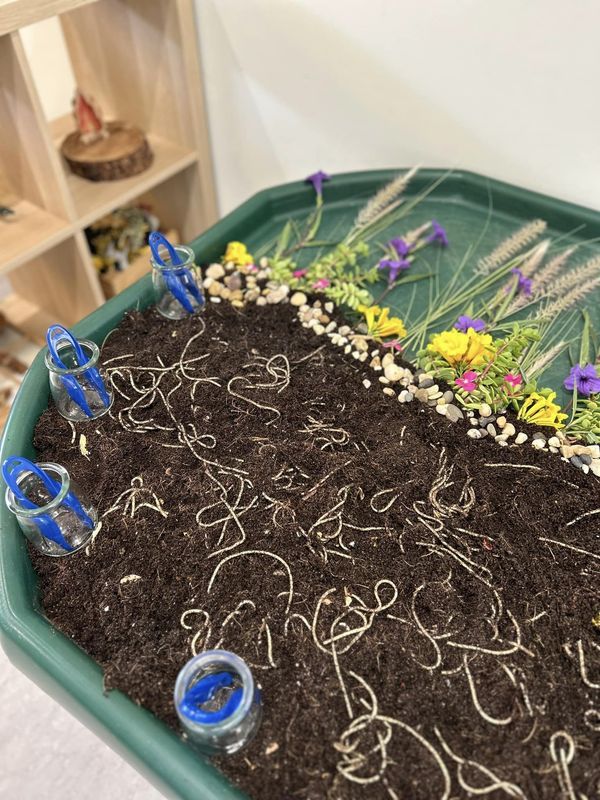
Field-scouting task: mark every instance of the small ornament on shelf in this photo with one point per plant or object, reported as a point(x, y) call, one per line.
point(104, 151)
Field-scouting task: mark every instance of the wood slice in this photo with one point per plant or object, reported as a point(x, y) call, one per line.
point(121, 154)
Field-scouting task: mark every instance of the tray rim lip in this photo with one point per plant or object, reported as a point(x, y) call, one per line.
point(134, 732)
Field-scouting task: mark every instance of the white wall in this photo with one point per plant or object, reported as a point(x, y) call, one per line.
point(45, 47)
point(506, 88)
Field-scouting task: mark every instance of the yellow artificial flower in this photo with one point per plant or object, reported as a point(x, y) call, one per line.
point(469, 349)
point(380, 324)
point(237, 252)
point(540, 410)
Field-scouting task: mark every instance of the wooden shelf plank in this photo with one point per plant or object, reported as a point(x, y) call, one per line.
point(15, 14)
point(27, 233)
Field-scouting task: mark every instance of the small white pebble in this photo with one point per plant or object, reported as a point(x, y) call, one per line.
point(442, 408)
point(521, 438)
point(554, 441)
point(389, 391)
point(539, 444)
point(474, 433)
point(348, 348)
point(509, 429)
point(491, 429)
point(501, 422)
point(366, 383)
point(485, 410)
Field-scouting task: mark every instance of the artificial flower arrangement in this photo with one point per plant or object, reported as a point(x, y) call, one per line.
point(513, 313)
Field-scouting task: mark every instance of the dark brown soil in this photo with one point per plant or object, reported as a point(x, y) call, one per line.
point(459, 592)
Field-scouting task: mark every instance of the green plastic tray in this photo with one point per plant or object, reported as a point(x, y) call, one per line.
point(463, 203)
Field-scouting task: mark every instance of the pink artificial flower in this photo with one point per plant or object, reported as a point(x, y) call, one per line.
point(252, 268)
point(322, 283)
point(467, 381)
point(299, 273)
point(395, 345)
point(514, 381)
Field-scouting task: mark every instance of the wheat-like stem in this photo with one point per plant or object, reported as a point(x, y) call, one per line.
point(530, 265)
point(380, 201)
point(412, 237)
point(545, 358)
point(579, 275)
point(569, 299)
point(540, 280)
point(511, 246)
point(551, 270)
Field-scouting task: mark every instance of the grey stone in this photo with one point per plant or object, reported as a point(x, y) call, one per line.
point(453, 413)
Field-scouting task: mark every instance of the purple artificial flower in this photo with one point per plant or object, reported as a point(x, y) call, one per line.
point(464, 323)
point(318, 179)
point(523, 283)
point(400, 246)
point(395, 266)
point(584, 379)
point(438, 234)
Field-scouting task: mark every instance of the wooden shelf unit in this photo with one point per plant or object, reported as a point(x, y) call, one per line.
point(139, 60)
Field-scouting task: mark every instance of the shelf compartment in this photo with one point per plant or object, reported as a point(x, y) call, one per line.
point(93, 199)
point(58, 286)
point(28, 232)
point(26, 317)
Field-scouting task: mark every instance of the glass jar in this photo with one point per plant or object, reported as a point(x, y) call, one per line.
point(176, 288)
point(79, 392)
point(60, 524)
point(217, 702)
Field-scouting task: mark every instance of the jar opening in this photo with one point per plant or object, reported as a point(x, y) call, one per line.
point(67, 356)
point(34, 490)
point(205, 664)
point(185, 253)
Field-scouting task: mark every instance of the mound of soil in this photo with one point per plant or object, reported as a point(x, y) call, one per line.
point(416, 606)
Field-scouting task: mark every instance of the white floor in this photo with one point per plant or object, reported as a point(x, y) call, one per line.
point(46, 754)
